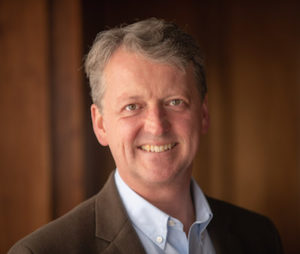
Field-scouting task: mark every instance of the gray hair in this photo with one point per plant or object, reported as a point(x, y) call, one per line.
point(154, 38)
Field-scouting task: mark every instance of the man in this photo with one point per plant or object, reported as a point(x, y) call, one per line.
point(150, 107)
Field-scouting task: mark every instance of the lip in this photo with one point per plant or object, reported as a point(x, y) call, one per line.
point(157, 148)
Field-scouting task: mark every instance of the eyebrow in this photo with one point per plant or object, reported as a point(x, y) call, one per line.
point(124, 96)
point(127, 96)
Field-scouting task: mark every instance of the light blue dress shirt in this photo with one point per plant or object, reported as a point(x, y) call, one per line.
point(161, 233)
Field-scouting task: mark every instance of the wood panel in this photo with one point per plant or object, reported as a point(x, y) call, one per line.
point(66, 105)
point(41, 105)
point(24, 108)
point(265, 80)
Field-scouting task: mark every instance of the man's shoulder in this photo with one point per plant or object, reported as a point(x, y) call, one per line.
point(230, 213)
point(237, 228)
point(75, 227)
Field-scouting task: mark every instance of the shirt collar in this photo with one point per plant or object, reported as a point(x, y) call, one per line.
point(202, 209)
point(146, 217)
point(154, 222)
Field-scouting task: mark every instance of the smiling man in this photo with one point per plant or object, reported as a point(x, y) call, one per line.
point(150, 107)
point(151, 117)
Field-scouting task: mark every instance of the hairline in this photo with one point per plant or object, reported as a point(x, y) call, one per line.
point(135, 40)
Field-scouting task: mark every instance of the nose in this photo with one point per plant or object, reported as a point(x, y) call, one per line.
point(156, 121)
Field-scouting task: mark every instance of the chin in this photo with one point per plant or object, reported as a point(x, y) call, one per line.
point(159, 177)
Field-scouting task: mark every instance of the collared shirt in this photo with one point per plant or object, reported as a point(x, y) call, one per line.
point(161, 233)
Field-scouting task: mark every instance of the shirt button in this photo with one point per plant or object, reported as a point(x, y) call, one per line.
point(159, 239)
point(171, 223)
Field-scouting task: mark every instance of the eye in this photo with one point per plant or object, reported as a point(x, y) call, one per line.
point(175, 102)
point(131, 107)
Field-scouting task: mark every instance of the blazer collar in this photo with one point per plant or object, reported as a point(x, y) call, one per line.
point(112, 222)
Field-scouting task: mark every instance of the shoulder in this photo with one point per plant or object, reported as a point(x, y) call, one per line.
point(246, 229)
point(85, 229)
point(228, 209)
point(75, 228)
point(232, 214)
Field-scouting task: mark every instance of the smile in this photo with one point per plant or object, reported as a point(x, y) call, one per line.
point(157, 149)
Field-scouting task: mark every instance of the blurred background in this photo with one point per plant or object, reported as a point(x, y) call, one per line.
point(49, 158)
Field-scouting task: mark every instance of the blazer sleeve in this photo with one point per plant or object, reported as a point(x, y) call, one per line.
point(19, 248)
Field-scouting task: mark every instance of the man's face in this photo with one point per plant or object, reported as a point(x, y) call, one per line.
point(152, 118)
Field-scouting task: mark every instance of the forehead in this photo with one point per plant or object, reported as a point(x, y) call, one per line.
point(127, 71)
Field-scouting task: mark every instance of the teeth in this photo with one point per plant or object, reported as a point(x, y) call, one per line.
point(157, 149)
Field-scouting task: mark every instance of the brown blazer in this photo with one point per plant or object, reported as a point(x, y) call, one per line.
point(101, 225)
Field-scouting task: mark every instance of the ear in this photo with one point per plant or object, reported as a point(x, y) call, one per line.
point(205, 121)
point(98, 125)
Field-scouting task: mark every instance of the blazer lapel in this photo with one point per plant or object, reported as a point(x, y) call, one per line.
point(219, 231)
point(112, 222)
point(223, 241)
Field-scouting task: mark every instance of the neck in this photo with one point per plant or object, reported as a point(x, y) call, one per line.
point(177, 203)
point(174, 199)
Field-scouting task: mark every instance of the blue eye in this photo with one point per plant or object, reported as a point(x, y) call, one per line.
point(131, 107)
point(176, 102)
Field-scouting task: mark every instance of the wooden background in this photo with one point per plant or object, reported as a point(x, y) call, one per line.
point(50, 160)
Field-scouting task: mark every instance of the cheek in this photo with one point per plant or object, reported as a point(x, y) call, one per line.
point(186, 123)
point(189, 129)
point(127, 131)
